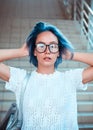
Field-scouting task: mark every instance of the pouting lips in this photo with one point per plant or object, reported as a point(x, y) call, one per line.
point(47, 58)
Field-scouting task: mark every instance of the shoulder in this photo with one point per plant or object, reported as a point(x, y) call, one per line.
point(74, 71)
point(17, 70)
point(17, 74)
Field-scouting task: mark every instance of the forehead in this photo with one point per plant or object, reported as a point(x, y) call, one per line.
point(46, 37)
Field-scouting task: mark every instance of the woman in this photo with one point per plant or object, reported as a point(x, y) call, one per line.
point(50, 96)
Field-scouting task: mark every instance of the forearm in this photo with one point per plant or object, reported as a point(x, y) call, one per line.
point(7, 54)
point(86, 58)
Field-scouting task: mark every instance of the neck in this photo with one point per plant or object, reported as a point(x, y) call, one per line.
point(45, 70)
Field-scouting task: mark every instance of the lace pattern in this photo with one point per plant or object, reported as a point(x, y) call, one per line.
point(49, 100)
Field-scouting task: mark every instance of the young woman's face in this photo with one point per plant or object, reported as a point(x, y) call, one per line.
point(47, 49)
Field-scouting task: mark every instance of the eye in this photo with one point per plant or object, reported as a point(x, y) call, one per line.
point(54, 46)
point(40, 45)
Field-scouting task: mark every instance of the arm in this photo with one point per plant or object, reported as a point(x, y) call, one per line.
point(7, 54)
point(86, 58)
point(4, 72)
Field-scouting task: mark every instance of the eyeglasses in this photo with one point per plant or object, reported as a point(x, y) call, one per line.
point(41, 47)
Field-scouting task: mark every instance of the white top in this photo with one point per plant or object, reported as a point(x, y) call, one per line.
point(50, 100)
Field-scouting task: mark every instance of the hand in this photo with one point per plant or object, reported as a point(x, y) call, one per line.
point(68, 55)
point(24, 50)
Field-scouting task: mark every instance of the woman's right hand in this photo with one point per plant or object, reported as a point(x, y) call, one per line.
point(24, 50)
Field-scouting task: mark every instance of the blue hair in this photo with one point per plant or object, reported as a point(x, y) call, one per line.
point(40, 27)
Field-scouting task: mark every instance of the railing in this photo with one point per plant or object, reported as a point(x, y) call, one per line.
point(84, 14)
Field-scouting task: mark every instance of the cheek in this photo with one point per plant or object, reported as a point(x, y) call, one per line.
point(38, 56)
point(55, 57)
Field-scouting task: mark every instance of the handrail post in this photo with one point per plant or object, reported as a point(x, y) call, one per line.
point(82, 8)
point(75, 10)
point(84, 14)
point(90, 26)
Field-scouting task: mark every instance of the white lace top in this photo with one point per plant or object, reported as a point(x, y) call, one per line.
point(49, 100)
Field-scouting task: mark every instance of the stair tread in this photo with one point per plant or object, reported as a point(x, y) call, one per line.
point(85, 125)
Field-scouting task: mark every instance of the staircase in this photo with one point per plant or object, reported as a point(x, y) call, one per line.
point(14, 34)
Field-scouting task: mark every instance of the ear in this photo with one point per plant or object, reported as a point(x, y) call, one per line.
point(35, 53)
point(58, 54)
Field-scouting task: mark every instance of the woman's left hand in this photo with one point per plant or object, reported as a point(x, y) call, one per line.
point(68, 55)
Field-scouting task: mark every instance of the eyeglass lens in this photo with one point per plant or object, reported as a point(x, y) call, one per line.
point(41, 47)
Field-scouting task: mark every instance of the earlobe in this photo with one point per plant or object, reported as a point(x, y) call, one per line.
point(58, 55)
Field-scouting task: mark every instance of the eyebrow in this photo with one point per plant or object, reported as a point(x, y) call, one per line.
point(49, 42)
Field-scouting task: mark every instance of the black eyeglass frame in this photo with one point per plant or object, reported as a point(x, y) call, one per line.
point(47, 45)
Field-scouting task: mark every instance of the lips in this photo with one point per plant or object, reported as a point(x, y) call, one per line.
point(47, 58)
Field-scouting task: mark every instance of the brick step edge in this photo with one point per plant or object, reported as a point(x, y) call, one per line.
point(86, 126)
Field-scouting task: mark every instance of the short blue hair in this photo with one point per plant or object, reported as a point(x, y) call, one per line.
point(40, 27)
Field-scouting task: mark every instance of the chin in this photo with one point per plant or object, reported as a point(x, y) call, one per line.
point(48, 65)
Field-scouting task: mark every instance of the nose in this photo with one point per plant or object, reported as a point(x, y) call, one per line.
point(47, 49)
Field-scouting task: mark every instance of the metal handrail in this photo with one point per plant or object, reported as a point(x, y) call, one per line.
point(84, 14)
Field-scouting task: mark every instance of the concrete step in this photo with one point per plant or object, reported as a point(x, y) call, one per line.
point(85, 106)
point(85, 126)
point(85, 118)
point(85, 96)
point(4, 105)
point(68, 27)
point(7, 96)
